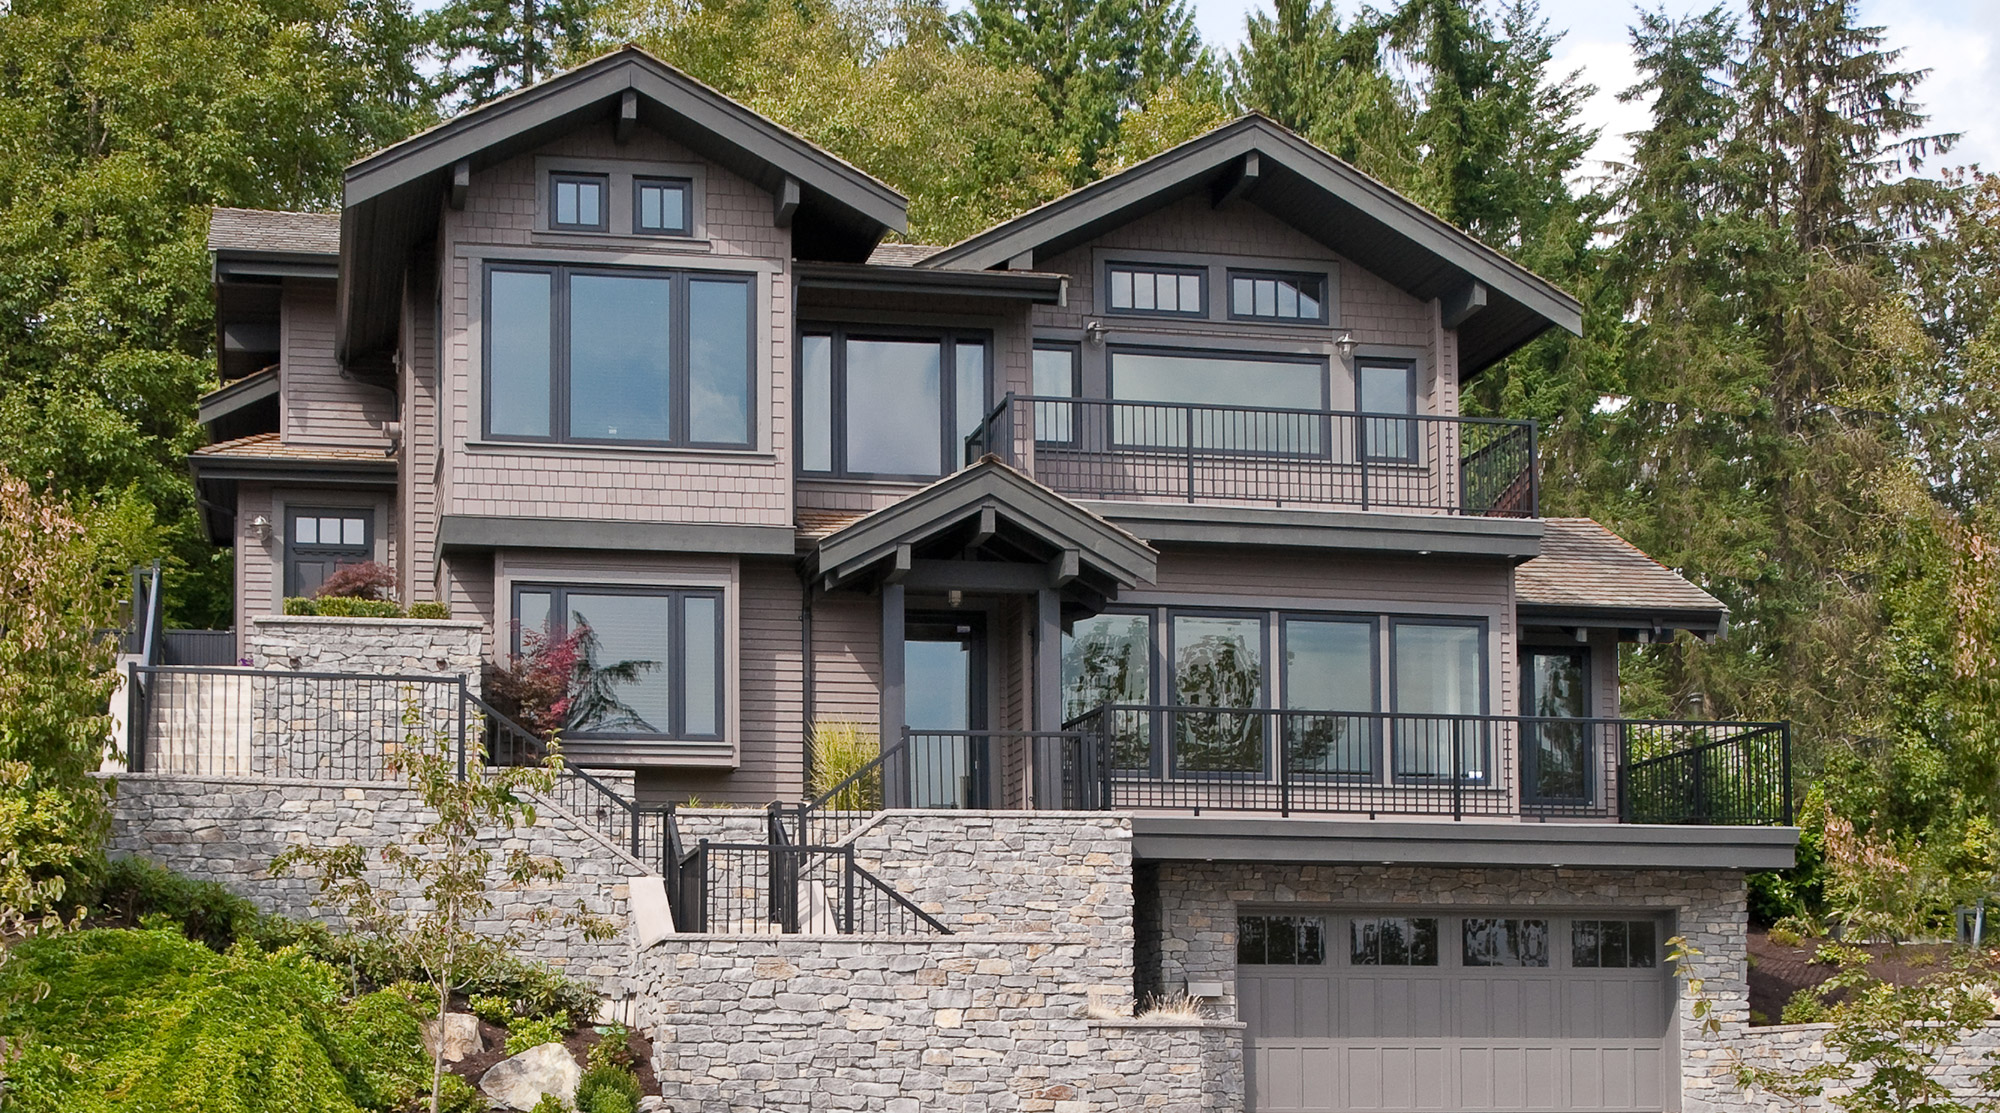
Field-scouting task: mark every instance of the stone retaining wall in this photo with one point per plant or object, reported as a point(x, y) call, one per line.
point(406, 646)
point(1793, 1048)
point(1167, 1064)
point(229, 829)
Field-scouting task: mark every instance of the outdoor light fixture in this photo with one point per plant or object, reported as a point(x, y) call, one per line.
point(1345, 342)
point(1093, 331)
point(955, 597)
point(261, 527)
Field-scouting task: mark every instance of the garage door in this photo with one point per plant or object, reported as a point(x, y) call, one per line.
point(1501, 1011)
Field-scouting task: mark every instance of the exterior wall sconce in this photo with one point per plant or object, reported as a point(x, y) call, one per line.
point(260, 528)
point(1093, 331)
point(1345, 342)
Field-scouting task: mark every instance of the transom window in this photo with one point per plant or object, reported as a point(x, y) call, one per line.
point(1165, 290)
point(889, 404)
point(1258, 295)
point(1613, 944)
point(1393, 941)
point(649, 661)
point(660, 206)
point(1281, 940)
point(577, 202)
point(627, 356)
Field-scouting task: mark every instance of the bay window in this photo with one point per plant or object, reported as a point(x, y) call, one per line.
point(648, 661)
point(890, 403)
point(618, 356)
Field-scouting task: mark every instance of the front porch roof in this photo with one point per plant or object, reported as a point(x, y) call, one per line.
point(988, 511)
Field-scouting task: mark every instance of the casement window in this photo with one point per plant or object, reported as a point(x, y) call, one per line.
point(579, 202)
point(1108, 658)
point(1274, 296)
point(1439, 688)
point(1614, 944)
point(1281, 940)
point(618, 356)
point(649, 660)
point(1387, 386)
point(318, 542)
point(1222, 400)
point(1157, 290)
point(1505, 942)
point(1217, 660)
point(662, 206)
point(889, 404)
point(1330, 684)
point(1058, 374)
point(1392, 941)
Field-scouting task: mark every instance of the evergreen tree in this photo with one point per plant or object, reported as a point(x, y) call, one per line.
point(1327, 82)
point(1093, 61)
point(491, 47)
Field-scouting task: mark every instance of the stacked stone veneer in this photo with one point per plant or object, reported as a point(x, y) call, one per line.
point(998, 1016)
point(1197, 905)
point(1794, 1048)
point(229, 829)
point(378, 646)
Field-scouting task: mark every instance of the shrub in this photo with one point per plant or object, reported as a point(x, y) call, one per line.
point(303, 608)
point(343, 606)
point(456, 1095)
point(111, 1020)
point(366, 580)
point(613, 1047)
point(524, 1032)
point(532, 989)
point(607, 1088)
point(534, 687)
point(132, 890)
point(1805, 1007)
point(430, 610)
point(838, 750)
point(492, 1009)
point(550, 1104)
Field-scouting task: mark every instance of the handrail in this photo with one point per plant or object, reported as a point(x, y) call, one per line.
point(908, 905)
point(1287, 411)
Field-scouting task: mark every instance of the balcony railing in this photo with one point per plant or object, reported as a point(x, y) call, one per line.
point(1169, 452)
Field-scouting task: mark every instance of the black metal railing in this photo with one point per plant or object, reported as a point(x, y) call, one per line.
point(928, 769)
point(1336, 762)
point(757, 888)
point(1160, 451)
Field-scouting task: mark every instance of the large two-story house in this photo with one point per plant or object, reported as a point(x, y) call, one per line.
point(1155, 498)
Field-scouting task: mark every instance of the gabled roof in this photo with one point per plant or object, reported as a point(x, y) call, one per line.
point(1503, 304)
point(393, 196)
point(1591, 576)
point(1025, 516)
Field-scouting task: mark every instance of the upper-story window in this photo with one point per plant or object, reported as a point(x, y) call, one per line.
point(618, 356)
point(577, 202)
point(1267, 296)
point(888, 403)
point(1225, 401)
point(1157, 289)
point(1387, 386)
point(661, 206)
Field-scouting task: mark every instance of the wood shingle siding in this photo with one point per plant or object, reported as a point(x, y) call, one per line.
point(320, 404)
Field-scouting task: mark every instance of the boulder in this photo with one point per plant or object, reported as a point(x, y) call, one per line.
point(461, 1037)
point(520, 1082)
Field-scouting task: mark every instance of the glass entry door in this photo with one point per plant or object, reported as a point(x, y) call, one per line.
point(1555, 762)
point(944, 700)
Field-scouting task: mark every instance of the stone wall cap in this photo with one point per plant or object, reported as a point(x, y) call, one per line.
point(363, 620)
point(1205, 1023)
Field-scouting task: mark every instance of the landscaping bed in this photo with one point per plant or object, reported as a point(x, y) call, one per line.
point(1779, 970)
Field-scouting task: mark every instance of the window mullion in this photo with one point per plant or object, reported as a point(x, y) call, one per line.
point(677, 664)
point(679, 371)
point(559, 359)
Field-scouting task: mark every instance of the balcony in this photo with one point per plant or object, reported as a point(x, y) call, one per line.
point(1095, 448)
point(1195, 760)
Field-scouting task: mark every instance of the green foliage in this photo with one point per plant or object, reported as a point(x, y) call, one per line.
point(456, 1095)
point(613, 1047)
point(58, 568)
point(449, 864)
point(491, 47)
point(531, 989)
point(134, 889)
point(119, 1021)
point(430, 610)
point(550, 1103)
point(524, 1032)
point(123, 121)
point(342, 606)
point(838, 749)
point(1805, 1007)
point(607, 1088)
point(492, 1009)
point(1890, 1044)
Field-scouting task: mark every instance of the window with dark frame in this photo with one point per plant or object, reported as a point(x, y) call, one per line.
point(889, 403)
point(1614, 944)
point(1058, 374)
point(1156, 289)
point(1276, 296)
point(1387, 386)
point(320, 541)
point(1281, 940)
point(618, 356)
point(662, 206)
point(1331, 688)
point(1392, 941)
point(649, 661)
point(1438, 689)
point(1505, 942)
point(578, 202)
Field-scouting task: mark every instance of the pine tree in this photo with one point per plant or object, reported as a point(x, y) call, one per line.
point(491, 47)
point(1303, 68)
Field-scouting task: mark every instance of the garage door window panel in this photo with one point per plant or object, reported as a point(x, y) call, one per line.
point(1393, 941)
point(1281, 940)
point(1614, 944)
point(1504, 942)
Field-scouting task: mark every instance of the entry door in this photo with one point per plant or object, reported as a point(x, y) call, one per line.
point(944, 686)
point(320, 542)
point(1556, 757)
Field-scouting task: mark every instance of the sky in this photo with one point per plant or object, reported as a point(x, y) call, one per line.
point(1957, 40)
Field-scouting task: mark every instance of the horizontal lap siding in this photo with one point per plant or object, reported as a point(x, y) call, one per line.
point(604, 484)
point(847, 659)
point(256, 557)
point(419, 460)
point(320, 404)
point(773, 765)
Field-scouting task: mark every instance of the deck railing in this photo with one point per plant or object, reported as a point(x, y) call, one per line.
point(1159, 451)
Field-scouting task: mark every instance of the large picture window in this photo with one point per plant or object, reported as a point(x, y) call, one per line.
point(1219, 400)
point(649, 661)
point(1109, 659)
point(889, 404)
point(1329, 687)
point(618, 356)
point(1440, 691)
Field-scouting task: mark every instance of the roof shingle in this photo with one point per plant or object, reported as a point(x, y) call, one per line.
point(271, 230)
point(267, 446)
point(902, 254)
point(1584, 566)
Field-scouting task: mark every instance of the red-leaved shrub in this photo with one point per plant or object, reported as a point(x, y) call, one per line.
point(367, 580)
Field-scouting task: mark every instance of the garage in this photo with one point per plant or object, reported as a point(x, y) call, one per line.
point(1396, 1010)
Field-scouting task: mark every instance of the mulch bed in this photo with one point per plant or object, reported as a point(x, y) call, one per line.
point(473, 1067)
point(1778, 971)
